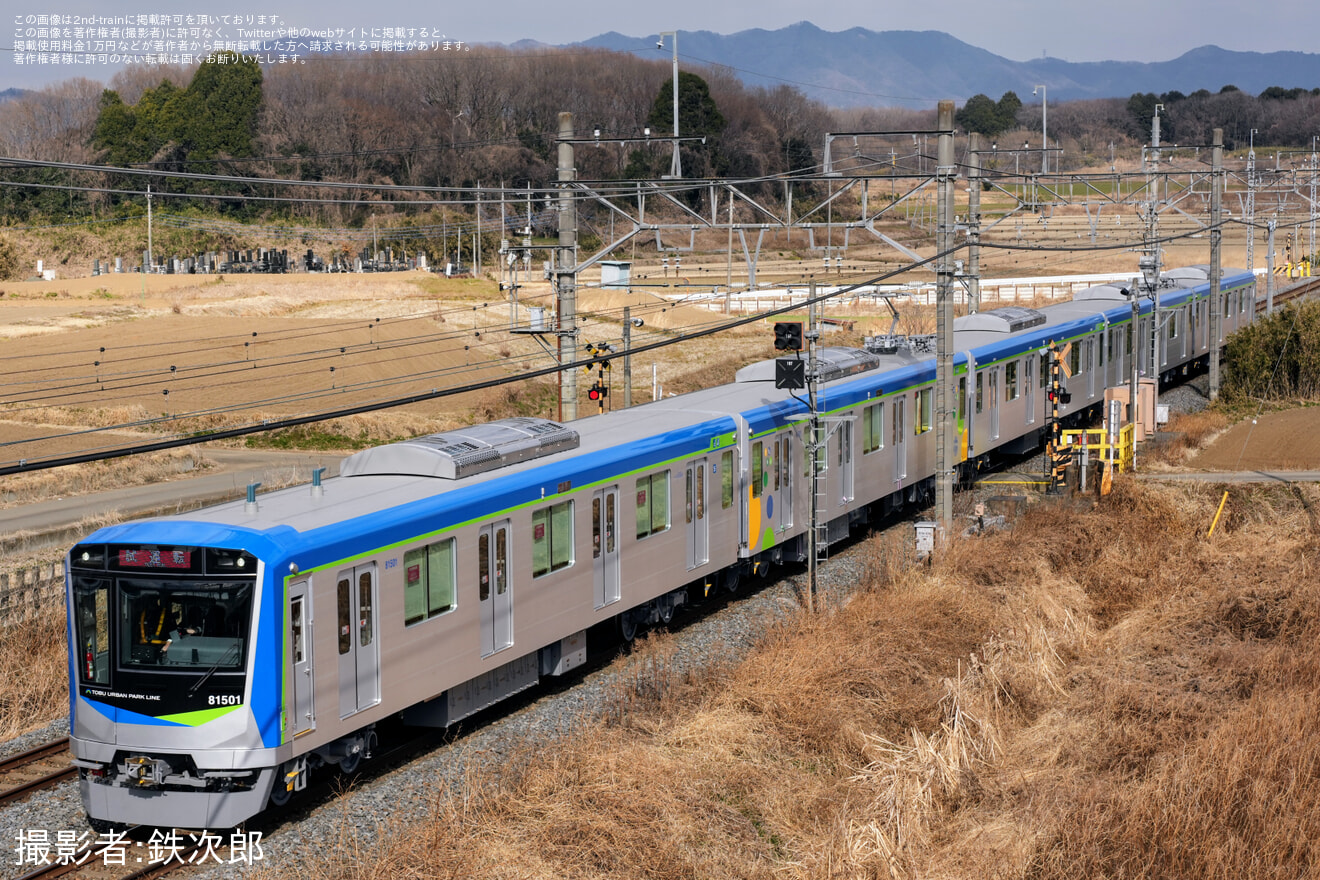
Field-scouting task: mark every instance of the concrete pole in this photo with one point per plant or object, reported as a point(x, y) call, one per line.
point(1216, 217)
point(974, 222)
point(945, 440)
point(151, 259)
point(566, 274)
point(627, 356)
point(1269, 269)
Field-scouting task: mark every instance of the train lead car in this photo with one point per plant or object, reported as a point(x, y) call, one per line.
point(218, 657)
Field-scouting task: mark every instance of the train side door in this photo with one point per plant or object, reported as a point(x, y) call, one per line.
point(1029, 386)
point(695, 513)
point(301, 702)
point(1088, 358)
point(846, 461)
point(605, 544)
point(495, 591)
point(900, 435)
point(359, 649)
point(784, 479)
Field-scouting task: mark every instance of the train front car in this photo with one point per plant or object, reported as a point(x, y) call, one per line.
point(175, 686)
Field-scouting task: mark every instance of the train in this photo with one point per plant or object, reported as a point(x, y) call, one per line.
point(218, 658)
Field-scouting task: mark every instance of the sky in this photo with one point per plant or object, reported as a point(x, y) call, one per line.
point(1115, 30)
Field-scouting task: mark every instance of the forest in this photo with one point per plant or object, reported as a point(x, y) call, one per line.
point(490, 117)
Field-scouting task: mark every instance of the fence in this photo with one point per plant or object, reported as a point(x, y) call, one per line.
point(38, 589)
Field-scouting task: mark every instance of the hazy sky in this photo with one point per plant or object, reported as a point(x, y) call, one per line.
point(1121, 30)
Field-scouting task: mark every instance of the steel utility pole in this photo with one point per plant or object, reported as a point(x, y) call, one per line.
point(566, 273)
point(1216, 234)
point(945, 441)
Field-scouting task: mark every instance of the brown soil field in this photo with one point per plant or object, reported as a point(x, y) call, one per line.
point(1288, 440)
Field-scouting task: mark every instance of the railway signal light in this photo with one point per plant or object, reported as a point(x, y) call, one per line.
point(597, 391)
point(788, 335)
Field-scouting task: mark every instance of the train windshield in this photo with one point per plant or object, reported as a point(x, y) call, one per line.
point(172, 626)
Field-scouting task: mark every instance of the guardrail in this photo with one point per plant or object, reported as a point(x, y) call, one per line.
point(1096, 443)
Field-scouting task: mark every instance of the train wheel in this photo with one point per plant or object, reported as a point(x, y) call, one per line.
point(666, 609)
point(280, 794)
point(348, 766)
point(627, 626)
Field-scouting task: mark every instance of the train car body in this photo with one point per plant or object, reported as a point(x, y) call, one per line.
point(217, 657)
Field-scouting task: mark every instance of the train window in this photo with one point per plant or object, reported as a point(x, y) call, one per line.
point(364, 608)
point(980, 393)
point(726, 479)
point(701, 491)
point(1171, 329)
point(91, 597)
point(962, 398)
point(1044, 370)
point(501, 560)
point(687, 497)
point(924, 411)
point(609, 521)
point(483, 567)
point(345, 615)
point(1011, 380)
point(652, 504)
point(758, 468)
point(1075, 358)
point(873, 437)
point(552, 538)
point(774, 462)
point(595, 528)
point(429, 581)
point(1100, 344)
point(297, 648)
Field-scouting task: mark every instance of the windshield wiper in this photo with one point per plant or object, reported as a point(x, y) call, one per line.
point(229, 657)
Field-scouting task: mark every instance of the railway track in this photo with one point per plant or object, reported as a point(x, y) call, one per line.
point(37, 768)
point(1297, 291)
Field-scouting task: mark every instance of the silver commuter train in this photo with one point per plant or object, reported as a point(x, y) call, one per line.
point(217, 657)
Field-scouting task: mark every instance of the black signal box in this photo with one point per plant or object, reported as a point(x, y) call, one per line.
point(790, 373)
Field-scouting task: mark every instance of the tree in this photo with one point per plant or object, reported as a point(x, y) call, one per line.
point(1007, 108)
point(979, 114)
point(698, 116)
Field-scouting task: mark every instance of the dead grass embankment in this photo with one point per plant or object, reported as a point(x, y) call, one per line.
point(1102, 693)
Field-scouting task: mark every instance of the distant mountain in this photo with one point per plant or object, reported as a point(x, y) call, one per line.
point(860, 67)
point(11, 94)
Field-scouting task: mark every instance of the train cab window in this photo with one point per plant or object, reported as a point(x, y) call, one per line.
point(758, 468)
point(652, 504)
point(924, 409)
point(428, 581)
point(552, 538)
point(1011, 380)
point(980, 393)
point(1100, 344)
point(873, 428)
point(91, 598)
point(726, 479)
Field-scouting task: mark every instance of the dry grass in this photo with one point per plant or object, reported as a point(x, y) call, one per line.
point(1102, 693)
point(101, 476)
point(34, 672)
point(1187, 434)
